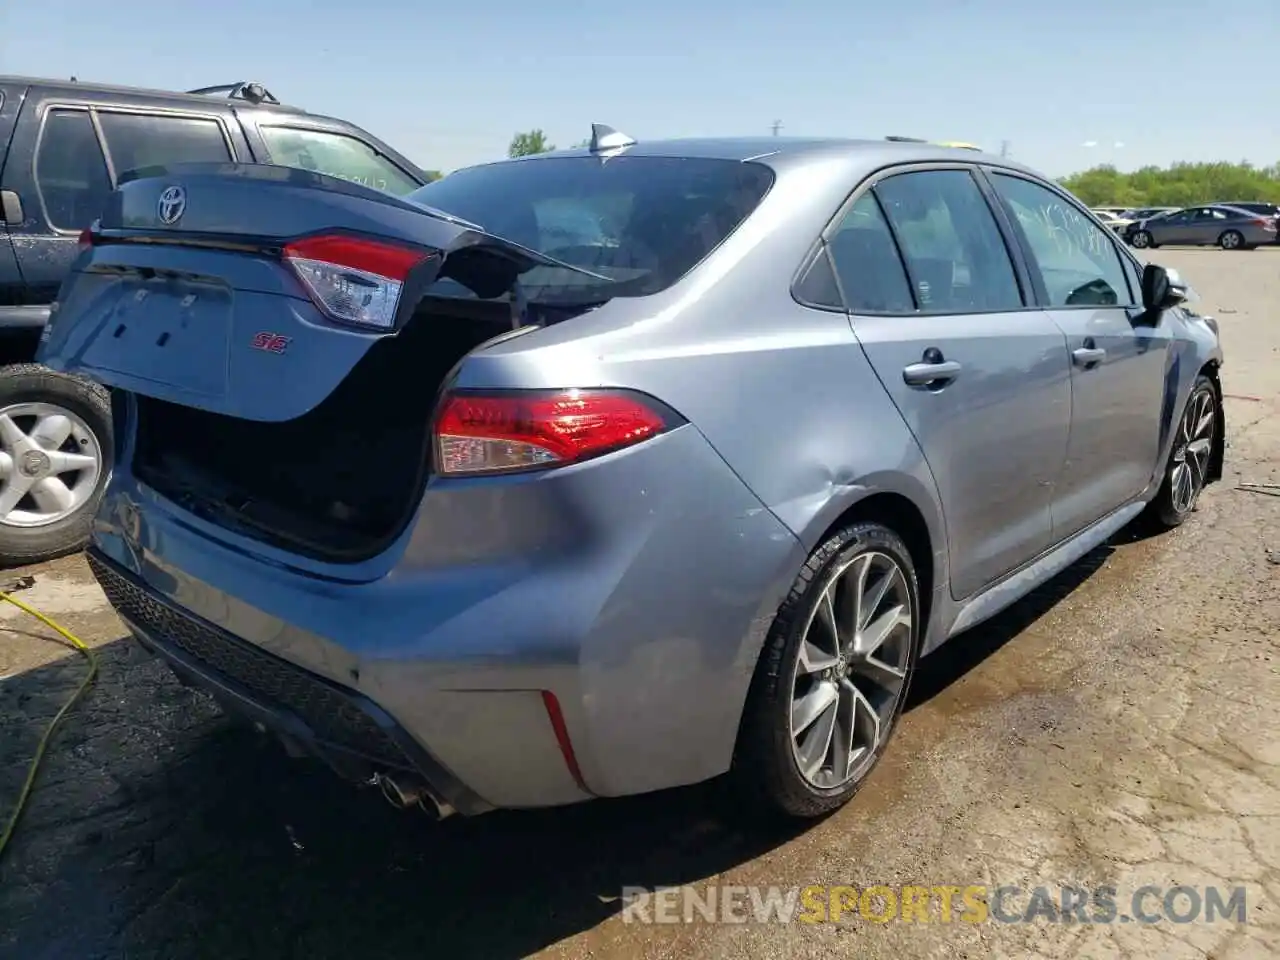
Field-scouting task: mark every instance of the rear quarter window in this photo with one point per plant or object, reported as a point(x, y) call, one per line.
point(335, 155)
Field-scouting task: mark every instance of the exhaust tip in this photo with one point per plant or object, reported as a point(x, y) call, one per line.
point(403, 794)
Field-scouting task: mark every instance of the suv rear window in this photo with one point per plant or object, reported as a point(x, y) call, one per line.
point(642, 222)
point(335, 155)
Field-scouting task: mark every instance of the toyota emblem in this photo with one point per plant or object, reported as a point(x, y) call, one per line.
point(172, 205)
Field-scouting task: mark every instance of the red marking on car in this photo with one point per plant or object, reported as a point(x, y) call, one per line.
point(271, 342)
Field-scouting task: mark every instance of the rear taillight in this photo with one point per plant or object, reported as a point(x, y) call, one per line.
point(353, 279)
point(86, 238)
point(1266, 223)
point(511, 431)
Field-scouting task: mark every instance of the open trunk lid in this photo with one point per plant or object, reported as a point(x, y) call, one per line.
point(192, 288)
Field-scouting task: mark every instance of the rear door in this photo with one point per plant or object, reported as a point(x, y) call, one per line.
point(70, 153)
point(1089, 286)
point(977, 370)
point(11, 287)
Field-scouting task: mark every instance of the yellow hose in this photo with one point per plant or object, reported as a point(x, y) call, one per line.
point(80, 645)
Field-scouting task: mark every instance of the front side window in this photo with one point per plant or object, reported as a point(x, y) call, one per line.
point(955, 254)
point(1078, 261)
point(335, 155)
point(71, 172)
point(137, 141)
point(640, 223)
point(871, 273)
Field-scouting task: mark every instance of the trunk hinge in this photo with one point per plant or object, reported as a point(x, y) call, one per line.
point(519, 305)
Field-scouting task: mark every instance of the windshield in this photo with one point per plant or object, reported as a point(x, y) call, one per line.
point(642, 222)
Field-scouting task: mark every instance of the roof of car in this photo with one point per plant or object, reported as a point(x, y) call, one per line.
point(778, 151)
point(71, 87)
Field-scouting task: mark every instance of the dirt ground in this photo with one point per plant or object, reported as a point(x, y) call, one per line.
point(1118, 728)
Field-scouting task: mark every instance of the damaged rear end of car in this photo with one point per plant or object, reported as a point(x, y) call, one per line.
point(280, 360)
point(353, 505)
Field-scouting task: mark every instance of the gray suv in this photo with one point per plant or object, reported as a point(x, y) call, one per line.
point(495, 513)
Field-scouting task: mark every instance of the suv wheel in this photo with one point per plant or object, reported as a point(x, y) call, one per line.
point(833, 675)
point(55, 458)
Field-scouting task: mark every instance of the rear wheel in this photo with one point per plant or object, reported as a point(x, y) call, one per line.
point(834, 674)
point(1188, 466)
point(1142, 240)
point(1231, 240)
point(55, 457)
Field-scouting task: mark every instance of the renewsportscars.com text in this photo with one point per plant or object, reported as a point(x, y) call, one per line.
point(939, 903)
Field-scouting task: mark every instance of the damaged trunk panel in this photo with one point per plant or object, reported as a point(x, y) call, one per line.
point(254, 404)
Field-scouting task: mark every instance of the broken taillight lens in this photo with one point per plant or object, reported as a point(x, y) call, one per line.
point(352, 279)
point(516, 431)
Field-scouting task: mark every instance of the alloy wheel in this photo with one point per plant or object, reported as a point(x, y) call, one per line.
point(50, 462)
point(1141, 239)
point(851, 670)
point(1230, 240)
point(1193, 444)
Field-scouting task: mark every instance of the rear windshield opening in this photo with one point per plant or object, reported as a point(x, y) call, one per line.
point(643, 222)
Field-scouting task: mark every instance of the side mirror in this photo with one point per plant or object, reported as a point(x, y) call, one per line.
point(1161, 288)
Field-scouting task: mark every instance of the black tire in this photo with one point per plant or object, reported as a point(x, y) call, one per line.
point(765, 772)
point(1167, 511)
point(1231, 240)
point(32, 383)
point(1142, 240)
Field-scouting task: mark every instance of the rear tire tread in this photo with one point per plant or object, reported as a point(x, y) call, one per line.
point(763, 773)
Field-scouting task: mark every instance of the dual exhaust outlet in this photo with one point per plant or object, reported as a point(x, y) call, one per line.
point(405, 792)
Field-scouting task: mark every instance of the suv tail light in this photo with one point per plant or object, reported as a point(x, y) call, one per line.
point(479, 433)
point(352, 279)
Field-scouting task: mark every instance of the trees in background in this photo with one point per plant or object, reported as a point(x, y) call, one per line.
point(528, 143)
point(1180, 185)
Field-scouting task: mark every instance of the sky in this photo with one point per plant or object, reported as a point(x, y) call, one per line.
point(449, 84)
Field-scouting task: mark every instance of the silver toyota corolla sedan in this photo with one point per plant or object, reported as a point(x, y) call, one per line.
point(493, 513)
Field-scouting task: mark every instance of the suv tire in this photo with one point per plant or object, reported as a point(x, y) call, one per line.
point(31, 393)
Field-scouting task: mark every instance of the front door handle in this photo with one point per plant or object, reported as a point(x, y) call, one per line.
point(1088, 356)
point(930, 374)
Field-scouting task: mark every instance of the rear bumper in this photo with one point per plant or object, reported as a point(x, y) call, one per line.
point(630, 596)
point(312, 715)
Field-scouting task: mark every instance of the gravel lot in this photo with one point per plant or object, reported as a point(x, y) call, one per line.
point(1117, 729)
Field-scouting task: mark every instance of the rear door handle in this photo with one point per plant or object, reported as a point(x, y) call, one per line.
point(1088, 356)
point(930, 374)
point(10, 208)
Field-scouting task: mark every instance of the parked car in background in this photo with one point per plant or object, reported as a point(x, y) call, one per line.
point(1134, 214)
point(1112, 211)
point(491, 532)
point(1260, 208)
point(1211, 225)
point(1115, 223)
point(63, 147)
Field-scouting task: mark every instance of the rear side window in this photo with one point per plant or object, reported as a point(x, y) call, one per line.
point(1078, 261)
point(871, 274)
point(137, 141)
point(955, 253)
point(71, 172)
point(640, 223)
point(335, 155)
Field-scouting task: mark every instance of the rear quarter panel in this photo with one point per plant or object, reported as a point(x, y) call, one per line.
point(783, 392)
